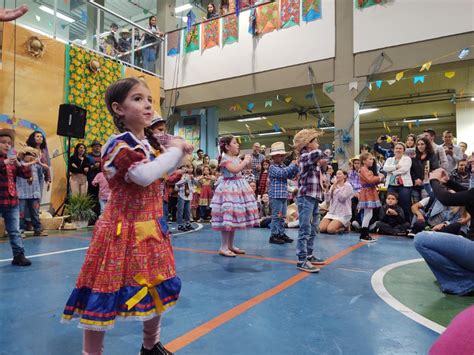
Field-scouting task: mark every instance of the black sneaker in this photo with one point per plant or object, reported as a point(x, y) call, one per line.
point(306, 266)
point(158, 349)
point(316, 261)
point(189, 227)
point(182, 229)
point(286, 238)
point(21, 260)
point(367, 238)
point(276, 239)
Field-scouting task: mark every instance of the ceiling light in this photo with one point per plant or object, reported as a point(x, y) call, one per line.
point(252, 119)
point(421, 120)
point(327, 128)
point(367, 110)
point(269, 133)
point(182, 8)
point(58, 14)
point(472, 98)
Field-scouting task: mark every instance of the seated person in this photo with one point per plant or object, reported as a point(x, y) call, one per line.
point(339, 197)
point(450, 257)
point(264, 211)
point(391, 217)
point(431, 214)
point(292, 216)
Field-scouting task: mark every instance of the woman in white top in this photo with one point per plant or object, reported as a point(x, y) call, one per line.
point(339, 198)
point(398, 178)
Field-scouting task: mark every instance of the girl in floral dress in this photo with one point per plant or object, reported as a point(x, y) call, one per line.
point(129, 269)
point(233, 205)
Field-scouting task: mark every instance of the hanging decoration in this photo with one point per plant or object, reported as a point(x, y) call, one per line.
point(450, 74)
point(191, 42)
point(210, 35)
point(453, 99)
point(268, 103)
point(288, 99)
point(399, 76)
point(253, 21)
point(191, 19)
point(353, 85)
point(329, 88)
point(378, 83)
point(463, 53)
point(237, 7)
point(426, 66)
point(269, 123)
point(311, 10)
point(362, 4)
point(290, 13)
point(276, 128)
point(268, 18)
point(230, 29)
point(419, 79)
point(234, 108)
point(172, 43)
point(369, 86)
point(309, 96)
point(86, 89)
point(391, 82)
point(35, 47)
point(94, 65)
point(250, 107)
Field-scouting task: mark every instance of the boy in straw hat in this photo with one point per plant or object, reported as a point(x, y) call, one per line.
point(309, 195)
point(278, 174)
point(10, 168)
point(29, 190)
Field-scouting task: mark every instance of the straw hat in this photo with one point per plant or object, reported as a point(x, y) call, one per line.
point(27, 150)
point(304, 137)
point(357, 157)
point(7, 132)
point(278, 148)
point(125, 30)
point(156, 119)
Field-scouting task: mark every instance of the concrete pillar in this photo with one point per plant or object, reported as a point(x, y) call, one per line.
point(346, 103)
point(165, 15)
point(465, 123)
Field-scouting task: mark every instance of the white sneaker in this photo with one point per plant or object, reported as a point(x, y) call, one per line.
point(306, 266)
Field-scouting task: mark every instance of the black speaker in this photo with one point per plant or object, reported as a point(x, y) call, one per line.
point(71, 121)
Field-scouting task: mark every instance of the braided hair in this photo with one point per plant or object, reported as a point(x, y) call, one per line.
point(117, 92)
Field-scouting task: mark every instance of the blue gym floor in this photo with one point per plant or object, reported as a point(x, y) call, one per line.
point(256, 304)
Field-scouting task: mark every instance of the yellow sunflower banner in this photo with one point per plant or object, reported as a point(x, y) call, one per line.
point(87, 77)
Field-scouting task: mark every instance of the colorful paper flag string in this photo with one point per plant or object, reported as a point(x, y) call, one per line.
point(450, 74)
point(391, 82)
point(268, 103)
point(426, 66)
point(399, 76)
point(378, 83)
point(463, 53)
point(288, 99)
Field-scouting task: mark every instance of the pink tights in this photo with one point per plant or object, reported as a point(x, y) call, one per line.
point(93, 343)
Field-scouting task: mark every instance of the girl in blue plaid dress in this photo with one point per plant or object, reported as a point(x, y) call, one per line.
point(233, 205)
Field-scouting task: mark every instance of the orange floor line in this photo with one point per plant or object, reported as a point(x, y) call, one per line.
point(216, 322)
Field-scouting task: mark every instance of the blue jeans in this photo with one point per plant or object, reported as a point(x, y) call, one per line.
point(308, 210)
point(11, 215)
point(278, 206)
point(450, 258)
point(102, 204)
point(30, 206)
point(165, 210)
point(184, 211)
point(404, 199)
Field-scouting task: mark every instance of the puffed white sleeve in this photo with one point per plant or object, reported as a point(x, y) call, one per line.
point(146, 173)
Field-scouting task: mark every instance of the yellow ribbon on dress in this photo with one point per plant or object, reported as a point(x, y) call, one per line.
point(147, 287)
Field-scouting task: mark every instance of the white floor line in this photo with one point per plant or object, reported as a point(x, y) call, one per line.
point(379, 288)
point(199, 227)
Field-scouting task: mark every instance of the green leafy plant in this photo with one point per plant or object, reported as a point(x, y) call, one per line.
point(79, 207)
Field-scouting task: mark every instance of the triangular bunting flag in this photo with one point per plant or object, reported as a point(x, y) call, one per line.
point(369, 85)
point(418, 79)
point(353, 85)
point(391, 82)
point(426, 66)
point(378, 83)
point(399, 76)
point(268, 103)
point(450, 74)
point(288, 99)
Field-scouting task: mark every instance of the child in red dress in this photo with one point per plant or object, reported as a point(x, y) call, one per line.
point(129, 269)
point(368, 195)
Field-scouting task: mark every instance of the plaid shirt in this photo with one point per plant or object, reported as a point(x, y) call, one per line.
point(8, 174)
point(32, 189)
point(309, 182)
point(185, 187)
point(354, 180)
point(256, 161)
point(279, 174)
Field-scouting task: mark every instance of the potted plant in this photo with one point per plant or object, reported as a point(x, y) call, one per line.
point(79, 207)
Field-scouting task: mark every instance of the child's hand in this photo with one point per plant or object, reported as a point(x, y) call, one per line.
point(247, 159)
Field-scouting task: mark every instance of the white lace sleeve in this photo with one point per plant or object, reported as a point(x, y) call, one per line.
point(146, 173)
